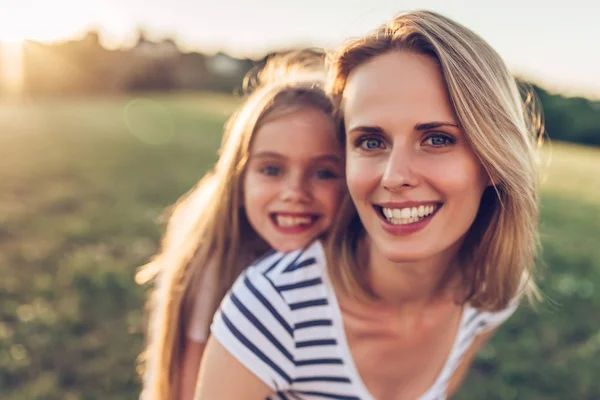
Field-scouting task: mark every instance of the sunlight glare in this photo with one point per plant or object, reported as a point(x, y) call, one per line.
point(11, 65)
point(45, 21)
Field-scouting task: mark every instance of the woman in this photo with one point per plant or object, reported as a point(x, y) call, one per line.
point(432, 249)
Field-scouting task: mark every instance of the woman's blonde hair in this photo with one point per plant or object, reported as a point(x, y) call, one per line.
point(208, 225)
point(498, 254)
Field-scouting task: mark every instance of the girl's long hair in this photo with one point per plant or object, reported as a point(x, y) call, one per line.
point(208, 225)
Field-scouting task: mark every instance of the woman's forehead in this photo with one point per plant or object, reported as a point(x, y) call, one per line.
point(397, 84)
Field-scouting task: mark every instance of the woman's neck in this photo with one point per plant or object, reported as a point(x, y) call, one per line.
point(411, 284)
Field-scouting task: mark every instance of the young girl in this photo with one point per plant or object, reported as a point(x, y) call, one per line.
point(277, 184)
point(430, 252)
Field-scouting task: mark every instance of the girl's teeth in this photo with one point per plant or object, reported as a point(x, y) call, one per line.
point(287, 221)
point(408, 215)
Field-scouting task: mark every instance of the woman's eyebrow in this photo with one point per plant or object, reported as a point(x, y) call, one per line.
point(419, 127)
point(433, 125)
point(365, 129)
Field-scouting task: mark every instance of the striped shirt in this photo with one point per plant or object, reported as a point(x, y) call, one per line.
point(282, 321)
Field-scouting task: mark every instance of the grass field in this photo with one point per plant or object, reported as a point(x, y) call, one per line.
point(83, 182)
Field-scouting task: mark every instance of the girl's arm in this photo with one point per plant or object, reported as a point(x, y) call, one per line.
point(197, 335)
point(222, 376)
point(192, 355)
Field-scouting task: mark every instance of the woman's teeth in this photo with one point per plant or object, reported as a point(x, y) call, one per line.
point(409, 215)
point(287, 221)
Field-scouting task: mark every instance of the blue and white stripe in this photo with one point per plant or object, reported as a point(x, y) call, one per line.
point(279, 321)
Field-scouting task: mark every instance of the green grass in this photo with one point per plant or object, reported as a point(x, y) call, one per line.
point(83, 183)
point(554, 351)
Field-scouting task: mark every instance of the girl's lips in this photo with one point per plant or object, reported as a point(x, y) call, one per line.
point(290, 223)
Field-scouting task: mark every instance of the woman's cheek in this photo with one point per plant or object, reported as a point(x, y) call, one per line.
point(361, 173)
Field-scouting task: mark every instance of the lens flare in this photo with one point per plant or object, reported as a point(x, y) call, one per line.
point(150, 122)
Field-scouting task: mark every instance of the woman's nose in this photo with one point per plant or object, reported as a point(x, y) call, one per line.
point(398, 171)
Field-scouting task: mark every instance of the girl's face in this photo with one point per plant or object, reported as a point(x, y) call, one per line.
point(413, 177)
point(294, 179)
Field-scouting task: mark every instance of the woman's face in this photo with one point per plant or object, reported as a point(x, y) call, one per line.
point(413, 177)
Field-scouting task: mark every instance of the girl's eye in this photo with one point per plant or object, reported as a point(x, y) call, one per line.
point(370, 143)
point(270, 170)
point(438, 141)
point(326, 174)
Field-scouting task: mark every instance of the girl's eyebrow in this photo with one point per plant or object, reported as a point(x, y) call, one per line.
point(271, 154)
point(328, 157)
point(267, 154)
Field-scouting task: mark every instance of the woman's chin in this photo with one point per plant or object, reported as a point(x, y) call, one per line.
point(401, 255)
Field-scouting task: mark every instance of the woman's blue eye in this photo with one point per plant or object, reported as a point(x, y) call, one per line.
point(371, 144)
point(270, 170)
point(438, 140)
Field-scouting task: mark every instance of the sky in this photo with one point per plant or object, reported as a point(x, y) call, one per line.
point(551, 42)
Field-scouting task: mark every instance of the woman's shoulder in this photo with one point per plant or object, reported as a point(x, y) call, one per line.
point(278, 281)
point(479, 321)
point(283, 269)
point(257, 319)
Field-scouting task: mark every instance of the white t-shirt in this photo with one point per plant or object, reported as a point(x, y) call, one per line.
point(283, 322)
